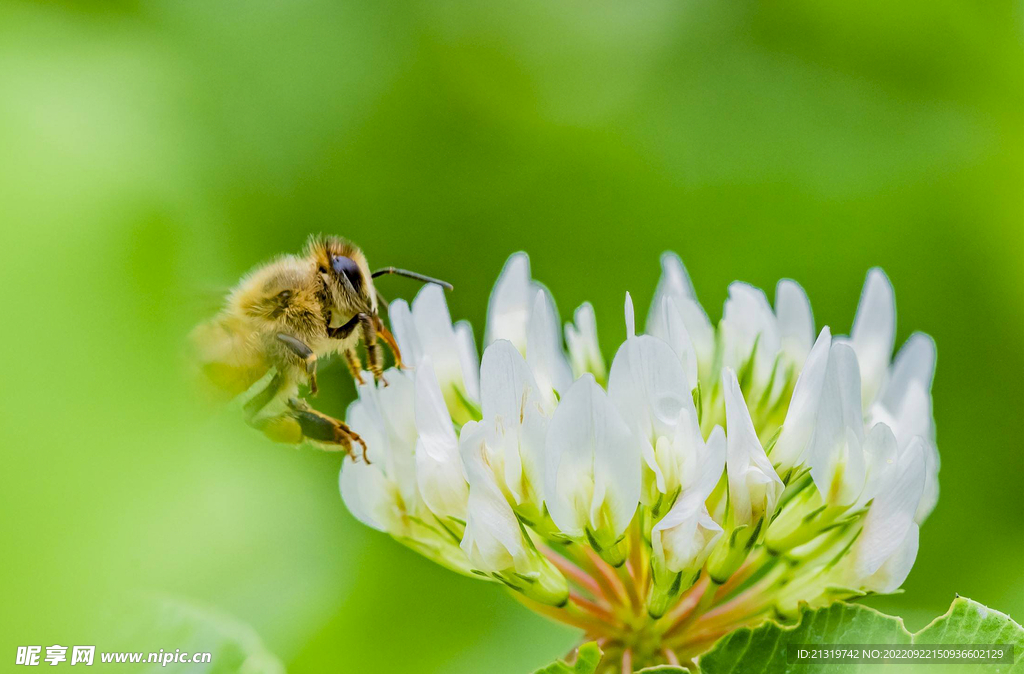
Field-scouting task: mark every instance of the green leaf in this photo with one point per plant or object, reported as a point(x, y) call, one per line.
point(588, 657)
point(663, 669)
point(763, 649)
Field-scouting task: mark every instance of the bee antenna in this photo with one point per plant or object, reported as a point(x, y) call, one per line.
point(413, 275)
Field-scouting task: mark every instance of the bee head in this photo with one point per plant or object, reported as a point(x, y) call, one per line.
point(346, 276)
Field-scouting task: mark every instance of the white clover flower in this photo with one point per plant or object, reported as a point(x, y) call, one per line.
point(675, 300)
point(754, 487)
point(495, 541)
point(523, 312)
point(593, 472)
point(515, 417)
point(711, 477)
point(439, 474)
point(384, 494)
point(649, 388)
point(684, 538)
point(426, 331)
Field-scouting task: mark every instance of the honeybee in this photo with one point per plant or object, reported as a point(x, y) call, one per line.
point(284, 316)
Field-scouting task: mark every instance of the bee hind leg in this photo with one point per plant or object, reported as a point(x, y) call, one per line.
point(320, 428)
point(298, 422)
point(279, 427)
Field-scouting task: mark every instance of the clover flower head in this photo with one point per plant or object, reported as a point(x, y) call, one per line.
point(709, 478)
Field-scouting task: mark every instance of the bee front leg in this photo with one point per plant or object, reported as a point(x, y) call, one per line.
point(305, 354)
point(374, 353)
point(389, 339)
point(355, 366)
point(320, 428)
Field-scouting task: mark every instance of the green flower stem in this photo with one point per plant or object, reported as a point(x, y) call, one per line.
point(575, 574)
point(753, 601)
point(627, 661)
point(749, 568)
point(629, 582)
point(593, 609)
point(706, 601)
point(569, 615)
point(640, 557)
point(603, 573)
point(670, 656)
point(686, 605)
point(560, 615)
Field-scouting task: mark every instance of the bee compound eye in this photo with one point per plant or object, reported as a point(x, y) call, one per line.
point(346, 266)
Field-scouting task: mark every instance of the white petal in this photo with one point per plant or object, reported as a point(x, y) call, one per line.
point(754, 488)
point(436, 336)
point(370, 497)
point(468, 358)
point(396, 403)
point(616, 465)
point(749, 327)
point(439, 471)
point(931, 482)
point(493, 540)
point(364, 418)
point(715, 452)
point(915, 362)
point(630, 317)
point(687, 462)
point(508, 311)
point(515, 416)
point(675, 283)
point(384, 418)
point(544, 352)
point(835, 452)
point(892, 512)
point(678, 338)
point(593, 463)
point(874, 332)
point(648, 387)
point(880, 456)
point(405, 332)
point(897, 567)
point(685, 536)
point(796, 322)
point(910, 421)
point(801, 417)
point(699, 328)
point(581, 338)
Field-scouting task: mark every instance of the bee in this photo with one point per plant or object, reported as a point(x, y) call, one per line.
point(280, 320)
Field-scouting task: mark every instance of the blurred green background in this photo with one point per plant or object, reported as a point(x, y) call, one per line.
point(151, 152)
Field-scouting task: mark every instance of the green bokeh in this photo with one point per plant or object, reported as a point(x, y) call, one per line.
point(151, 152)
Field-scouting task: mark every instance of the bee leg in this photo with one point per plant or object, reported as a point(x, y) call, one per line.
point(374, 353)
point(355, 366)
point(321, 428)
point(253, 406)
point(304, 353)
point(343, 331)
point(279, 428)
point(389, 339)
